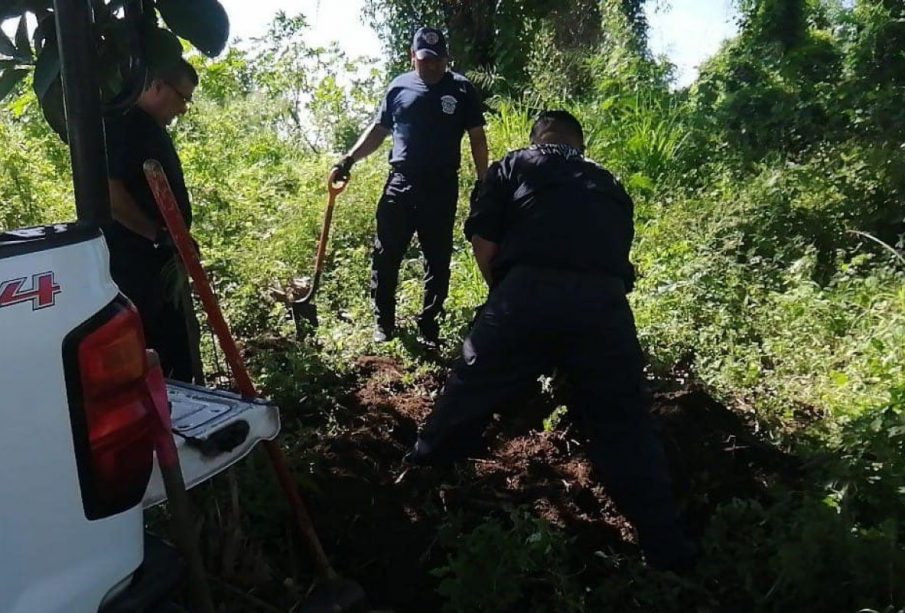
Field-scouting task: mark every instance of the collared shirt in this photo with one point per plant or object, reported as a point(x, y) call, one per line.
point(428, 121)
point(132, 139)
point(549, 206)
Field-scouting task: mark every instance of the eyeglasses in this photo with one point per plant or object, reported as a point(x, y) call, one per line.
point(186, 99)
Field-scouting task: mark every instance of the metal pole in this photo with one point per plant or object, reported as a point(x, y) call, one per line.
point(82, 100)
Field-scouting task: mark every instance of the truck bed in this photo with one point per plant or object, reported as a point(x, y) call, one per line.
point(213, 430)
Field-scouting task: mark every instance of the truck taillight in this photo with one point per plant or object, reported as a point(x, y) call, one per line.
point(112, 418)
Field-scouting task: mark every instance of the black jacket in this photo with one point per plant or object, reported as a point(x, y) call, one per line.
point(548, 206)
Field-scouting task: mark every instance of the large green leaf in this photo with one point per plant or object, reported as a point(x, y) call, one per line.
point(46, 30)
point(52, 107)
point(203, 23)
point(41, 8)
point(112, 59)
point(21, 49)
point(47, 69)
point(22, 44)
point(15, 8)
point(9, 79)
point(49, 87)
point(7, 47)
point(11, 8)
point(162, 47)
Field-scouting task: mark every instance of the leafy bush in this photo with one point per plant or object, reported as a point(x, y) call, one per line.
point(769, 230)
point(476, 577)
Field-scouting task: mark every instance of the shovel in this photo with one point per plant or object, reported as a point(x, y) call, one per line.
point(338, 594)
point(304, 309)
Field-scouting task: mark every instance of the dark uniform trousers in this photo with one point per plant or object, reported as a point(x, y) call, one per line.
point(414, 202)
point(164, 318)
point(538, 320)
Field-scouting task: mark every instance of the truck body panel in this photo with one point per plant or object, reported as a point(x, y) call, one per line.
point(53, 559)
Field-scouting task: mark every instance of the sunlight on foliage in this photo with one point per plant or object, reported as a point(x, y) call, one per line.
point(769, 235)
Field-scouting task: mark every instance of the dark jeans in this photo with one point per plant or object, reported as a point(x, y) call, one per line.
point(410, 203)
point(538, 320)
point(169, 329)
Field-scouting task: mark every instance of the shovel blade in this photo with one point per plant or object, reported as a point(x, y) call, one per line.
point(305, 316)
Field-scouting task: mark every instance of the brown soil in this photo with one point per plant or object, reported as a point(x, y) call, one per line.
point(379, 520)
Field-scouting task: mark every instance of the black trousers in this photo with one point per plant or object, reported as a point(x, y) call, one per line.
point(422, 203)
point(538, 320)
point(169, 329)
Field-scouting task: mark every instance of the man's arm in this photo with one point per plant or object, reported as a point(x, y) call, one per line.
point(484, 226)
point(368, 142)
point(484, 253)
point(127, 212)
point(478, 139)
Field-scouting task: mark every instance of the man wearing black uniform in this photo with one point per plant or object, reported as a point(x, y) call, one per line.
point(551, 232)
point(427, 111)
point(142, 257)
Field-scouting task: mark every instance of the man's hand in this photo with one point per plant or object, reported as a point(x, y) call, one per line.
point(127, 212)
point(367, 143)
point(475, 190)
point(163, 240)
point(484, 252)
point(343, 168)
point(477, 138)
point(476, 314)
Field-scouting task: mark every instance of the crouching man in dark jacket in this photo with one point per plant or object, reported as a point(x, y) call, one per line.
point(551, 233)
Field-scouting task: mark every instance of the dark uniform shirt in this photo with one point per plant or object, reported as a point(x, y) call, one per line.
point(548, 206)
point(428, 121)
point(132, 139)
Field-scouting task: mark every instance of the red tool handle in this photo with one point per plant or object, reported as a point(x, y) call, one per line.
point(172, 216)
point(164, 445)
point(171, 474)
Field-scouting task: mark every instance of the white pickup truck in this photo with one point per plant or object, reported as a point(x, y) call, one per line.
point(77, 463)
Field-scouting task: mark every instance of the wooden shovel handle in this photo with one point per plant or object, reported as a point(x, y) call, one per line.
point(334, 188)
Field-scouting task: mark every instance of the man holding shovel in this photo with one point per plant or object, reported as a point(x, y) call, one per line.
point(427, 111)
point(551, 233)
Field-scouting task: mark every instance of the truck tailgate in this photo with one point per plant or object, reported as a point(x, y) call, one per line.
point(213, 430)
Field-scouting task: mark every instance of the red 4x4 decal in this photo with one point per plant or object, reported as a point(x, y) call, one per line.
point(42, 293)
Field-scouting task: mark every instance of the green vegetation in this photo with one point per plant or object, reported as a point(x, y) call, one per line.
point(120, 29)
point(770, 211)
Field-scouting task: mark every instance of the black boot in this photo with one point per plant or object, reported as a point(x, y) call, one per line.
point(384, 332)
point(429, 334)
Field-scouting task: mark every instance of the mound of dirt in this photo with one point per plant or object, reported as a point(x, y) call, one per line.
point(379, 520)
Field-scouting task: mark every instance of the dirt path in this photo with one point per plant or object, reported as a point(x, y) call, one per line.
point(380, 521)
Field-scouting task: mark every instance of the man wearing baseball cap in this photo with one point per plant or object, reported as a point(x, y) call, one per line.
point(427, 111)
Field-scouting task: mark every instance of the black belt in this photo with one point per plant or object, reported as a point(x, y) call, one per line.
point(560, 272)
point(422, 172)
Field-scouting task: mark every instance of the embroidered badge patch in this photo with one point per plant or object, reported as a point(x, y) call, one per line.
point(449, 104)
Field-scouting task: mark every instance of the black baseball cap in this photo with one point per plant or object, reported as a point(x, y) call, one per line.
point(429, 42)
